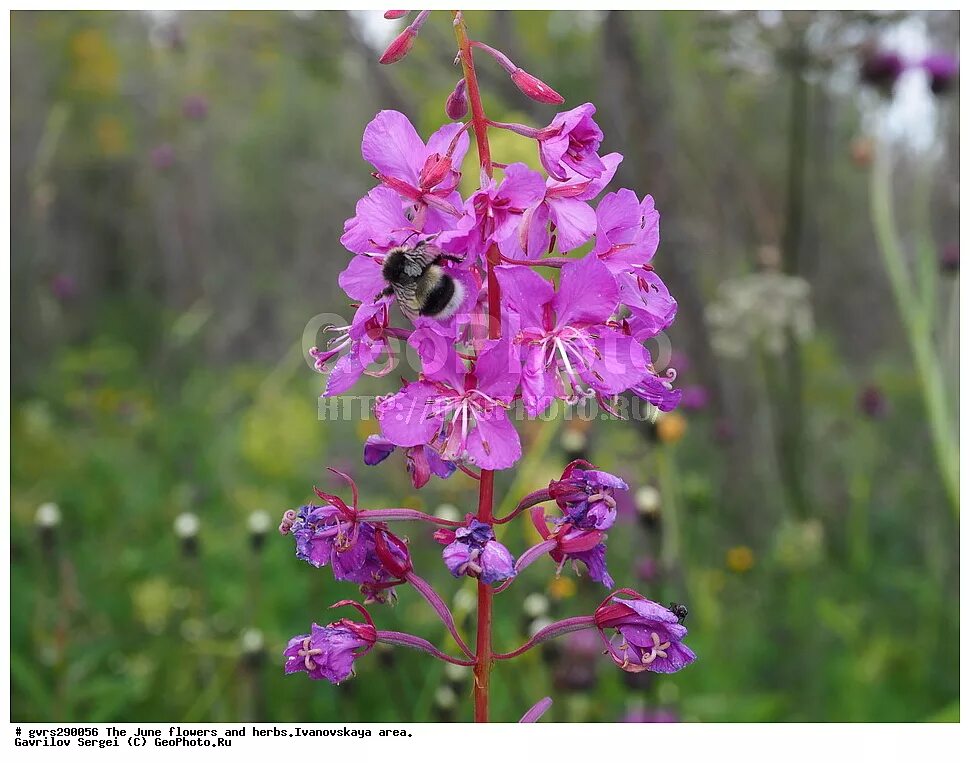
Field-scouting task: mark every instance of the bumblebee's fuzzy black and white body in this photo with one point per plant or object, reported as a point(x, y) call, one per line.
point(422, 286)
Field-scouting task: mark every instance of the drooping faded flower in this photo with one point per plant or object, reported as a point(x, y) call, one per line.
point(329, 652)
point(473, 551)
point(576, 544)
point(420, 460)
point(640, 634)
point(585, 496)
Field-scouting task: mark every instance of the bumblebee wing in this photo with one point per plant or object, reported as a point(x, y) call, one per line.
point(417, 260)
point(407, 299)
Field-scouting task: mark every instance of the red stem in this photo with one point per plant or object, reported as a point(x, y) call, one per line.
point(486, 491)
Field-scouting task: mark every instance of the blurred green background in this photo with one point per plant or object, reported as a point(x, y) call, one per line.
point(179, 186)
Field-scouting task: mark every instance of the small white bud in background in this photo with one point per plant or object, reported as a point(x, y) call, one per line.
point(445, 697)
point(186, 525)
point(251, 641)
point(647, 500)
point(259, 522)
point(572, 440)
point(535, 605)
point(456, 673)
point(48, 515)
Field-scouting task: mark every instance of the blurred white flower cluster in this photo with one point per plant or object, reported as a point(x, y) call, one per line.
point(759, 311)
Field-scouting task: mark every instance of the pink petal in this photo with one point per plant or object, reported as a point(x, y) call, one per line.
point(575, 222)
point(362, 279)
point(622, 363)
point(587, 292)
point(494, 443)
point(525, 293)
point(393, 146)
point(410, 417)
point(498, 369)
point(438, 144)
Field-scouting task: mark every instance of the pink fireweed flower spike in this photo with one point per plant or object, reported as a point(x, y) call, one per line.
point(645, 635)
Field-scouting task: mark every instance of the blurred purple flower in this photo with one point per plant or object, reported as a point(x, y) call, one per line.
point(950, 257)
point(695, 397)
point(647, 569)
point(872, 402)
point(63, 287)
point(195, 107)
point(162, 156)
point(942, 69)
point(644, 715)
point(881, 69)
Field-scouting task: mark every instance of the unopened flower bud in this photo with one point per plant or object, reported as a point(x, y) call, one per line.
point(436, 168)
point(400, 46)
point(535, 88)
point(457, 104)
point(392, 15)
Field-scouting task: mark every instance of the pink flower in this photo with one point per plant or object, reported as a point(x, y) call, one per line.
point(421, 461)
point(423, 175)
point(461, 414)
point(565, 207)
point(329, 652)
point(355, 347)
point(568, 349)
point(627, 231)
point(571, 141)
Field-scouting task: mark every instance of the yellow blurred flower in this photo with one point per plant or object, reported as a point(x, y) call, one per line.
point(562, 588)
point(739, 559)
point(96, 66)
point(671, 427)
point(112, 136)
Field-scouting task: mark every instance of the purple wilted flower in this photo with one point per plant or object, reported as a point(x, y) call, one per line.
point(421, 461)
point(364, 341)
point(472, 550)
point(359, 551)
point(423, 175)
point(695, 397)
point(329, 652)
point(942, 69)
point(565, 206)
point(568, 350)
point(649, 635)
point(571, 141)
point(495, 212)
point(585, 496)
point(195, 107)
point(658, 390)
point(572, 543)
point(462, 414)
point(881, 69)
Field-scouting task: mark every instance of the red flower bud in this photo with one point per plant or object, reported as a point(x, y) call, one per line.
point(391, 15)
point(457, 104)
point(399, 47)
point(535, 88)
point(436, 168)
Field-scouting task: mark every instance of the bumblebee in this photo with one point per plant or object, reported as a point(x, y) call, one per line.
point(415, 276)
point(680, 610)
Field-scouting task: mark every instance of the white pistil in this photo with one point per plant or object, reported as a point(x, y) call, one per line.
point(657, 650)
point(306, 653)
